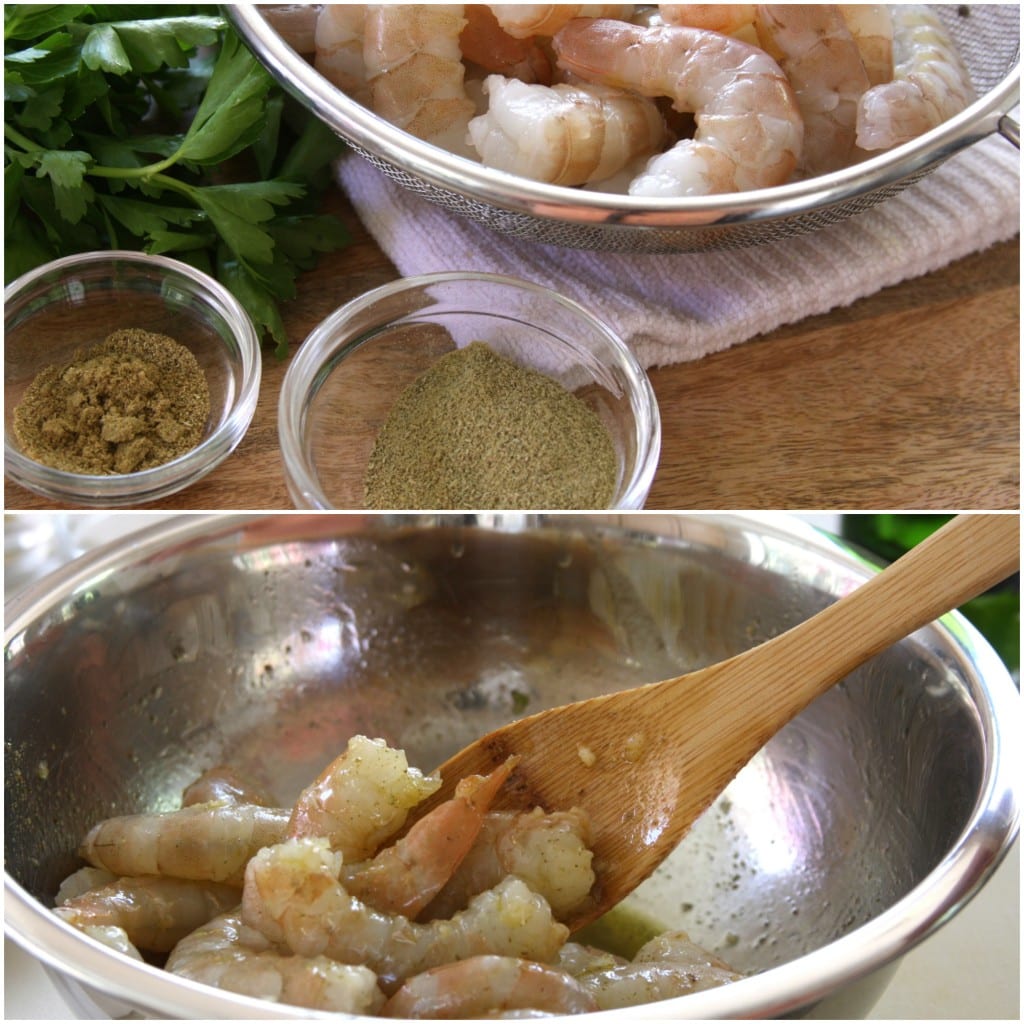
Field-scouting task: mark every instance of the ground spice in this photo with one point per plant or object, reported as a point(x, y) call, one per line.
point(132, 402)
point(478, 431)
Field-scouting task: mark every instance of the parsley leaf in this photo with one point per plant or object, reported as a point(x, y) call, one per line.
point(153, 127)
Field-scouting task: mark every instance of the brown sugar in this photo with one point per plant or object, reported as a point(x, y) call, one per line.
point(135, 401)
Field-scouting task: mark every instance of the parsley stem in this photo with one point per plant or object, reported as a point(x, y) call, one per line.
point(149, 171)
point(20, 140)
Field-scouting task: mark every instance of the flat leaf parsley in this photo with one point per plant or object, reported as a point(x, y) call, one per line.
point(152, 127)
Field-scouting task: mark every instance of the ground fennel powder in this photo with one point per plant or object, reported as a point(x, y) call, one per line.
point(134, 401)
point(479, 431)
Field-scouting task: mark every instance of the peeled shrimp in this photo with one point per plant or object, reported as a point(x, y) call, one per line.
point(521, 20)
point(415, 71)
point(564, 134)
point(154, 913)
point(338, 49)
point(488, 985)
point(930, 82)
point(819, 56)
point(726, 18)
point(292, 895)
point(361, 799)
point(871, 27)
point(485, 43)
point(222, 784)
point(749, 130)
point(667, 966)
point(209, 842)
point(549, 852)
point(230, 956)
point(405, 876)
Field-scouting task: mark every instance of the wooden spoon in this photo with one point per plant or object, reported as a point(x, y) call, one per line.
point(646, 762)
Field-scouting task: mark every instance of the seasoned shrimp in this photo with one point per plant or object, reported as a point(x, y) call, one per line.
point(820, 58)
point(404, 877)
point(487, 985)
point(521, 20)
point(415, 71)
point(209, 842)
point(564, 134)
point(230, 956)
point(549, 852)
point(293, 896)
point(338, 49)
point(667, 966)
point(930, 82)
point(222, 784)
point(154, 913)
point(81, 881)
point(749, 129)
point(485, 43)
point(361, 799)
point(871, 27)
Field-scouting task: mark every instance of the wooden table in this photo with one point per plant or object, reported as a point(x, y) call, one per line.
point(907, 399)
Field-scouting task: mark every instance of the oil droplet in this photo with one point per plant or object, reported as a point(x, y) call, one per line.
point(43, 770)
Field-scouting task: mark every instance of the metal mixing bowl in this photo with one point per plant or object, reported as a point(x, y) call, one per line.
point(267, 641)
point(987, 35)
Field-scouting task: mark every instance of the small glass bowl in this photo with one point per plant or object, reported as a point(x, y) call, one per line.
point(76, 302)
point(348, 373)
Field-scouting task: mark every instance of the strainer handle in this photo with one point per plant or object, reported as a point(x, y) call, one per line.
point(1010, 129)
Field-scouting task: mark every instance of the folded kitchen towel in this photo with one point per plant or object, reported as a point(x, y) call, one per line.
point(677, 307)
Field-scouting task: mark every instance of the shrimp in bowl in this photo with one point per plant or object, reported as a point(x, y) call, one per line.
point(458, 915)
point(735, 97)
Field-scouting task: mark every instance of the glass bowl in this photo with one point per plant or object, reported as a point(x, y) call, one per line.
point(76, 302)
point(349, 372)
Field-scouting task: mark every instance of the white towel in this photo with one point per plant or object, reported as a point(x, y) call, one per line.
point(678, 307)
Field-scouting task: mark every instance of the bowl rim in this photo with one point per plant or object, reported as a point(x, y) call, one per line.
point(456, 174)
point(320, 347)
point(985, 839)
point(119, 489)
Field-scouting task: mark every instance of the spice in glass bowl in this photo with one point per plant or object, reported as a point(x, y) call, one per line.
point(477, 430)
point(133, 402)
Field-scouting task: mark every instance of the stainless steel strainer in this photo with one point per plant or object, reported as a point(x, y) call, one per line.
point(988, 36)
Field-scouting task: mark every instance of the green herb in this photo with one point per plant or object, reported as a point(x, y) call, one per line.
point(119, 122)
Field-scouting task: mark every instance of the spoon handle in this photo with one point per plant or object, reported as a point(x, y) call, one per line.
point(962, 559)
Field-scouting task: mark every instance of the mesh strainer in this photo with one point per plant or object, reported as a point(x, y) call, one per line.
point(988, 36)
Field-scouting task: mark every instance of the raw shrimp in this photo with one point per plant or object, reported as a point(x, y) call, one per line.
point(230, 956)
point(564, 134)
point(549, 852)
point(80, 881)
point(154, 913)
point(338, 49)
point(726, 18)
point(749, 130)
point(820, 58)
point(209, 842)
point(667, 966)
point(488, 985)
point(222, 784)
point(404, 877)
point(361, 799)
point(485, 43)
point(930, 82)
point(296, 24)
point(292, 895)
point(415, 71)
point(521, 20)
point(114, 937)
point(871, 27)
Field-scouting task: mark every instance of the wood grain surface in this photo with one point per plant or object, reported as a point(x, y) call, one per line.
point(909, 398)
